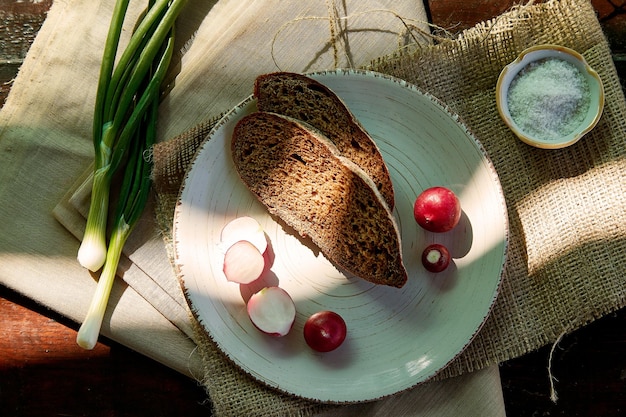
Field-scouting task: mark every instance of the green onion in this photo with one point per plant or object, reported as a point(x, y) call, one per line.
point(125, 119)
point(118, 89)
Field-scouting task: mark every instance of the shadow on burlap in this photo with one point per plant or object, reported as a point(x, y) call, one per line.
point(566, 207)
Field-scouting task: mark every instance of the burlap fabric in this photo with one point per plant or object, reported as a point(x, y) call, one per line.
point(566, 207)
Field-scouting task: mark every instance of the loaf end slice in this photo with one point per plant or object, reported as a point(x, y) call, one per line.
point(301, 178)
point(303, 98)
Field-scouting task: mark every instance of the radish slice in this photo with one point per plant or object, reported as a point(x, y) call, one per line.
point(243, 228)
point(272, 311)
point(243, 263)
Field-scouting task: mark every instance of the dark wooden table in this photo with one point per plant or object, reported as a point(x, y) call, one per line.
point(44, 373)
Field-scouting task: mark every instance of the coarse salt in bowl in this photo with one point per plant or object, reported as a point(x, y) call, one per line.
point(549, 96)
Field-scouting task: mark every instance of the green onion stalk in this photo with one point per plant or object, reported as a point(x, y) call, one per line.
point(125, 120)
point(115, 116)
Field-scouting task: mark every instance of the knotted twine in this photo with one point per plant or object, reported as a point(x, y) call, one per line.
point(567, 208)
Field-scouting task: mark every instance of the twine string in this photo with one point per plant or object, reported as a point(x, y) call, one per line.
point(413, 29)
point(338, 31)
point(553, 394)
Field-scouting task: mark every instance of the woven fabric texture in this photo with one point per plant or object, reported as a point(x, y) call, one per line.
point(566, 208)
point(567, 237)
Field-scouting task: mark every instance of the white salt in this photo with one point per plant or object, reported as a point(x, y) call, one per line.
point(549, 98)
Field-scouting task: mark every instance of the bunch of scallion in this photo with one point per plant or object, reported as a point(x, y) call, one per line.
point(124, 130)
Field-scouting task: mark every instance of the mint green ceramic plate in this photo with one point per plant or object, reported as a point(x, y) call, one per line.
point(397, 338)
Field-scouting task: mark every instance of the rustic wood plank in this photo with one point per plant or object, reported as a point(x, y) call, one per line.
point(43, 372)
point(457, 15)
point(19, 23)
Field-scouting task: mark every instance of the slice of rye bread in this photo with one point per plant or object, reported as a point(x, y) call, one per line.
point(301, 178)
point(303, 98)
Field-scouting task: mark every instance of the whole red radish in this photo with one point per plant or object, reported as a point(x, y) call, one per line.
point(437, 209)
point(325, 331)
point(272, 311)
point(435, 257)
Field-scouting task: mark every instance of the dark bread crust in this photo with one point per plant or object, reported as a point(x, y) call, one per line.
point(301, 178)
point(303, 98)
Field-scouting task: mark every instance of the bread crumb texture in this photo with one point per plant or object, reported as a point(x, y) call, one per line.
point(301, 178)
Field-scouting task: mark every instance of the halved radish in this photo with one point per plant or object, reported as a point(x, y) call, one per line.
point(272, 311)
point(243, 263)
point(243, 228)
point(435, 257)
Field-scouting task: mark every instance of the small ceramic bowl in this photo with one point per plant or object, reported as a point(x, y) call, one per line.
point(588, 115)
